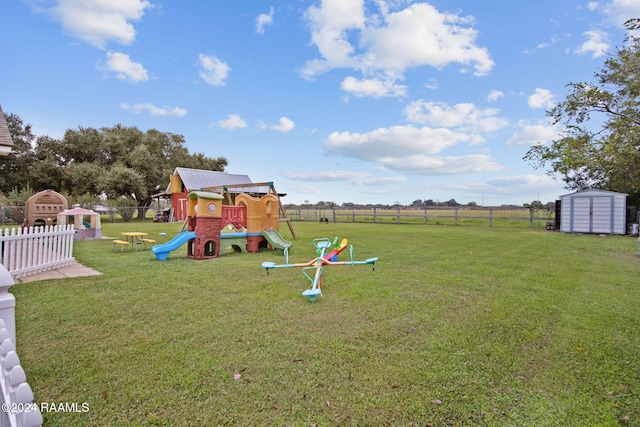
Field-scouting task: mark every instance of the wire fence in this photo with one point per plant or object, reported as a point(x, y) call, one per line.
point(477, 216)
point(13, 216)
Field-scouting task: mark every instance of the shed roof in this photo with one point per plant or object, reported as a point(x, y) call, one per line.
point(195, 179)
point(5, 137)
point(594, 191)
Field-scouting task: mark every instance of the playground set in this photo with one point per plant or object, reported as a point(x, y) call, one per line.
point(245, 223)
point(316, 265)
point(222, 219)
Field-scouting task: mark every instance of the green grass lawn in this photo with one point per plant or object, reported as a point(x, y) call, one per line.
point(456, 326)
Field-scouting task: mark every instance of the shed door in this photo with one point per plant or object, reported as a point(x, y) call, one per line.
point(592, 214)
point(602, 209)
point(581, 214)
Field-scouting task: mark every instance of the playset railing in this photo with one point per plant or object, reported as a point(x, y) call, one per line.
point(25, 251)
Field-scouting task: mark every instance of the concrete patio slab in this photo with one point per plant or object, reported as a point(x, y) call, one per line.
point(74, 270)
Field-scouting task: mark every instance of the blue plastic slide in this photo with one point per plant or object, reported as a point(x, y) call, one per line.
point(162, 251)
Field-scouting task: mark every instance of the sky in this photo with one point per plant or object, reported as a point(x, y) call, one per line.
point(344, 101)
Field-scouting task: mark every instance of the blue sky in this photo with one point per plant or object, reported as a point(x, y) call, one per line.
point(337, 100)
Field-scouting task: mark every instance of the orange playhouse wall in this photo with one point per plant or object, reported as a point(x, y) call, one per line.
point(262, 213)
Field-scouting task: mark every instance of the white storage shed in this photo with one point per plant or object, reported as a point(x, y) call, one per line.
point(594, 211)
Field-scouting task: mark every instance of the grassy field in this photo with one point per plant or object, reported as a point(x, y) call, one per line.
point(456, 326)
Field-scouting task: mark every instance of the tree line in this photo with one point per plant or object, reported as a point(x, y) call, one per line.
point(122, 163)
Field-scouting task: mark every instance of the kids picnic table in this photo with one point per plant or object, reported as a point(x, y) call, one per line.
point(137, 238)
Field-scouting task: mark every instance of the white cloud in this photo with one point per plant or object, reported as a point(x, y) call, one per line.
point(446, 165)
point(494, 95)
point(396, 141)
point(597, 44)
point(421, 35)
point(542, 98)
point(233, 121)
point(153, 110)
point(538, 187)
point(389, 43)
point(374, 88)
point(214, 71)
point(124, 68)
point(98, 22)
point(620, 11)
point(532, 134)
point(305, 189)
point(285, 125)
point(358, 178)
point(263, 20)
point(409, 149)
point(520, 181)
point(330, 24)
point(432, 84)
point(464, 116)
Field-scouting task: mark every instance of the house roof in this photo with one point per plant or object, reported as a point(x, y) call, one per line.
point(5, 137)
point(196, 179)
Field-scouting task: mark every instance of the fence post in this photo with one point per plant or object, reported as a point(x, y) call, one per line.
point(490, 217)
point(425, 216)
point(374, 215)
point(7, 302)
point(530, 218)
point(455, 216)
point(398, 215)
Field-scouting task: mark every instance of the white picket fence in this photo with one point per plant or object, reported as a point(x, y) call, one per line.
point(26, 251)
point(17, 408)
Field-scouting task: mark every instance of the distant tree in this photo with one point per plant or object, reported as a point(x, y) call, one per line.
point(430, 202)
point(473, 204)
point(536, 204)
point(451, 202)
point(46, 171)
point(16, 167)
point(417, 203)
point(604, 152)
point(86, 178)
point(122, 181)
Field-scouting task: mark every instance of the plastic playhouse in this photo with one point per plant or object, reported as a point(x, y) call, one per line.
point(91, 229)
point(245, 224)
point(42, 208)
point(326, 255)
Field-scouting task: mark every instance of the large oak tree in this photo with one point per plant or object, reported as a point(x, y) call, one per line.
point(118, 161)
point(600, 144)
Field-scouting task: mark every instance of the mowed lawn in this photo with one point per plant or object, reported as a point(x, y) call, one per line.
point(455, 326)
